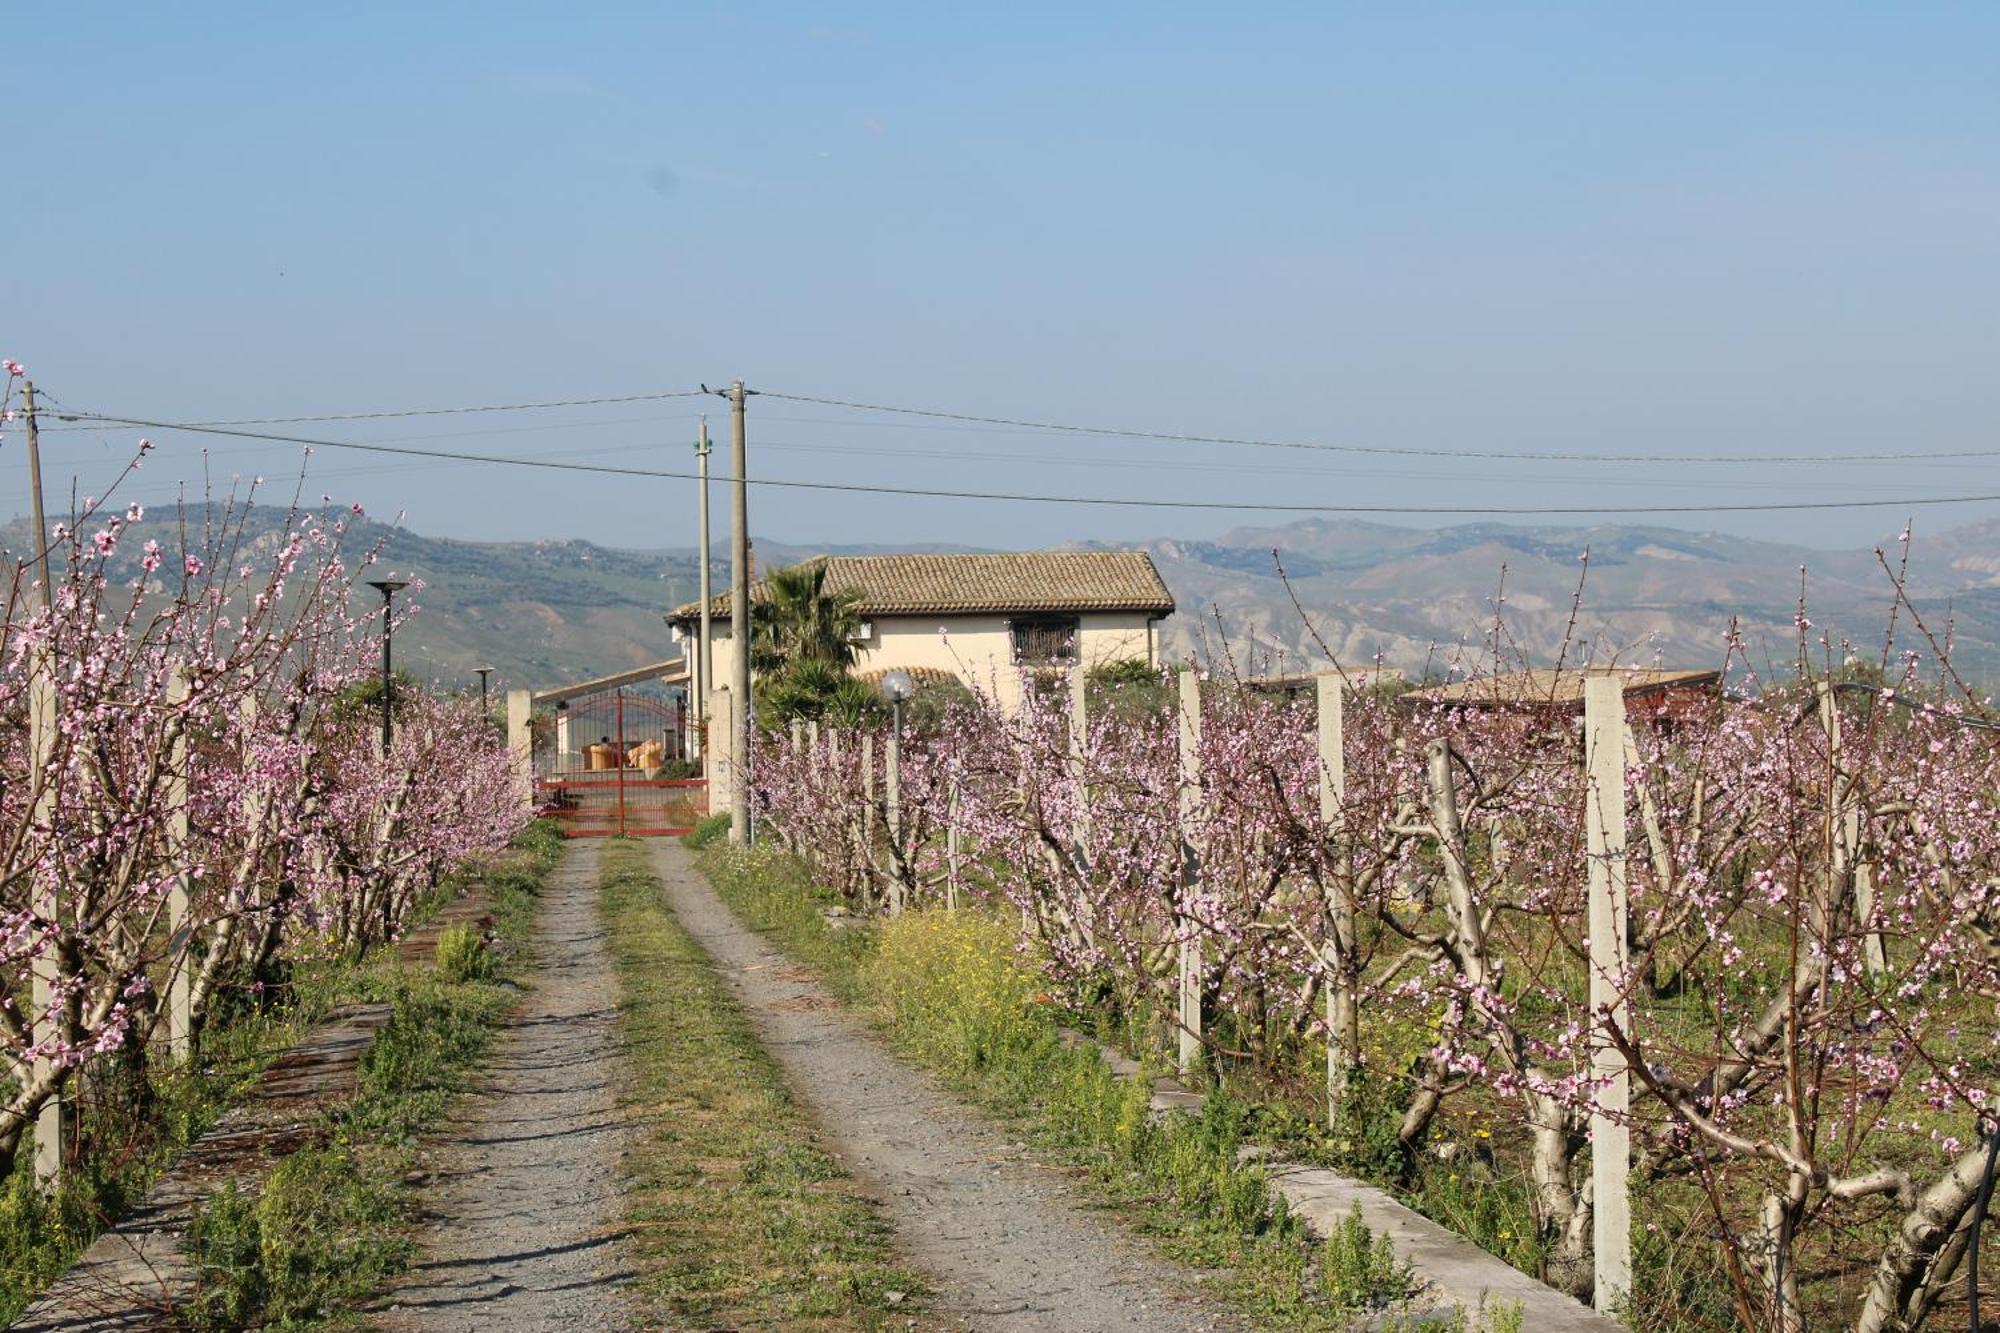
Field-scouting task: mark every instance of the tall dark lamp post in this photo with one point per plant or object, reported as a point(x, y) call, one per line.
point(483, 673)
point(388, 588)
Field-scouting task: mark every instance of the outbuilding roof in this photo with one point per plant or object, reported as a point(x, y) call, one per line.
point(1018, 581)
point(1546, 687)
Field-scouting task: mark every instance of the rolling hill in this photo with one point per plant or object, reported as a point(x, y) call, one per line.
point(551, 611)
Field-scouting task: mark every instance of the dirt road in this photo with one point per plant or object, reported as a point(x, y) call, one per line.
point(1011, 1249)
point(524, 1211)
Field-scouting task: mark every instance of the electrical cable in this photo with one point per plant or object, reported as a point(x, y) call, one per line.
point(428, 411)
point(1171, 437)
point(1108, 432)
point(1034, 498)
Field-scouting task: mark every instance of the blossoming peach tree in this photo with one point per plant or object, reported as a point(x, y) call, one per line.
point(1813, 944)
point(188, 792)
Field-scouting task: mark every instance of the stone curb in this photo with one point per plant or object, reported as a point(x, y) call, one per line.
point(1452, 1270)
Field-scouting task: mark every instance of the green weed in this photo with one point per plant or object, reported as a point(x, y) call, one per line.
point(462, 954)
point(951, 992)
point(330, 1225)
point(742, 1219)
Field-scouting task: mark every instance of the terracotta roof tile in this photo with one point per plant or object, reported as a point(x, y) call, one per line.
point(1546, 687)
point(1029, 581)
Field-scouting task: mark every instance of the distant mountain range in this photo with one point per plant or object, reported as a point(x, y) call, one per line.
point(552, 611)
point(1416, 597)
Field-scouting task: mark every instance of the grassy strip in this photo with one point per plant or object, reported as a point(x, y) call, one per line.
point(134, 1121)
point(42, 1234)
point(743, 1221)
point(331, 1225)
point(948, 989)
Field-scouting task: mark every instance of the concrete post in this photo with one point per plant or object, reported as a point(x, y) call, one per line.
point(180, 961)
point(722, 736)
point(1343, 1015)
point(951, 850)
point(1190, 811)
point(1844, 833)
point(892, 804)
point(868, 803)
point(520, 734)
point(1610, 1133)
point(1079, 739)
point(42, 742)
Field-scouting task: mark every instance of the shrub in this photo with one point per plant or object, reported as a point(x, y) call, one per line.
point(706, 830)
point(462, 954)
point(1359, 1269)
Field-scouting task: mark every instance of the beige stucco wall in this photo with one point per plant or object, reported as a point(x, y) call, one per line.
point(978, 649)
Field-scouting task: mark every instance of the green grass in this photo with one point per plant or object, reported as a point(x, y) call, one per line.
point(330, 1226)
point(742, 1220)
point(950, 991)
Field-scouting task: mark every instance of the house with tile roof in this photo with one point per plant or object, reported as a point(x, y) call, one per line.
point(979, 618)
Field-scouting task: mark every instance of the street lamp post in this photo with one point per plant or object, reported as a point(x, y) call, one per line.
point(388, 588)
point(898, 686)
point(483, 673)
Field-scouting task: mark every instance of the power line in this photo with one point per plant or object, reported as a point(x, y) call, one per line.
point(80, 424)
point(1170, 437)
point(1033, 498)
point(1116, 433)
point(414, 411)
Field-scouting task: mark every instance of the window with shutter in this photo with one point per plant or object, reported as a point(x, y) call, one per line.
point(1044, 640)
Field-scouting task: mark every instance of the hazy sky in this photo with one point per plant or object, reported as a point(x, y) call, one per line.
point(1694, 230)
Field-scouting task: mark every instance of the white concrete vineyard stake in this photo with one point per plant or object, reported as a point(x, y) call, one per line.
point(1610, 1134)
point(951, 850)
point(1079, 735)
point(180, 957)
point(1343, 1018)
point(868, 808)
point(892, 807)
point(42, 754)
point(1844, 830)
point(1189, 808)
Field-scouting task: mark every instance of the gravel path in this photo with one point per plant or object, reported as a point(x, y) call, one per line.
point(1011, 1249)
point(523, 1208)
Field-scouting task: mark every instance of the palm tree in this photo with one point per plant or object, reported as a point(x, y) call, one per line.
point(799, 621)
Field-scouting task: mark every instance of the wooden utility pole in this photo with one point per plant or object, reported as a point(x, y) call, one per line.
point(35, 492)
point(739, 624)
point(1190, 811)
point(1343, 1015)
point(1610, 1130)
point(704, 660)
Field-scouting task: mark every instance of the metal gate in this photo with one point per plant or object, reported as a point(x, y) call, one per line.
point(599, 766)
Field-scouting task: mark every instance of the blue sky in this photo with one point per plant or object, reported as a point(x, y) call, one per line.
point(1685, 231)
